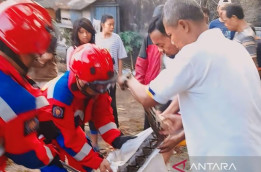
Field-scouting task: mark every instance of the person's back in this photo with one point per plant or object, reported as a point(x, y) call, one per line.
point(224, 80)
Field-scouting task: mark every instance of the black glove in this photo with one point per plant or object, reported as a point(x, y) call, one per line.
point(119, 141)
point(56, 162)
point(49, 130)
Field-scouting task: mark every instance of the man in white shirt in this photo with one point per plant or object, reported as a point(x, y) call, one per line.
point(218, 87)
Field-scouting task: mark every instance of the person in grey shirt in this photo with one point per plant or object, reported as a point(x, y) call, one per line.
point(234, 20)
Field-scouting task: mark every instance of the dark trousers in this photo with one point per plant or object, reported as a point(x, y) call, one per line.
point(112, 92)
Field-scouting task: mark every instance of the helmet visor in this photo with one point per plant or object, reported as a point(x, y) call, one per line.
point(101, 86)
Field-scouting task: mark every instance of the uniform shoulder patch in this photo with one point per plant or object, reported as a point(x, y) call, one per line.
point(58, 112)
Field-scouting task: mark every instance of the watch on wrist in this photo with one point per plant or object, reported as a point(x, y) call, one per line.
point(127, 77)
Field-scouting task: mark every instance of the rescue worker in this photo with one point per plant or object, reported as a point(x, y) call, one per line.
point(78, 96)
point(24, 32)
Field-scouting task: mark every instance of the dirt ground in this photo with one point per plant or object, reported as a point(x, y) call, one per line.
point(131, 118)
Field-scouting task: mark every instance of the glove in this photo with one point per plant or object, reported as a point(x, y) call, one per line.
point(119, 141)
point(49, 130)
point(56, 162)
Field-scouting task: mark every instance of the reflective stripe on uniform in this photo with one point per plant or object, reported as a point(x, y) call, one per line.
point(40, 136)
point(49, 153)
point(50, 91)
point(2, 150)
point(50, 85)
point(79, 113)
point(83, 152)
point(6, 112)
point(107, 127)
point(41, 101)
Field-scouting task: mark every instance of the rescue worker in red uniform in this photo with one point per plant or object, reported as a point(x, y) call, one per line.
point(80, 95)
point(24, 32)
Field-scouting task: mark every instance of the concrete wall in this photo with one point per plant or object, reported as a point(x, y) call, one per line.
point(65, 17)
point(135, 15)
point(87, 13)
point(252, 9)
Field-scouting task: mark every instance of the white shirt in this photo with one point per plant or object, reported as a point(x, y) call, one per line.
point(166, 60)
point(219, 95)
point(114, 45)
point(68, 56)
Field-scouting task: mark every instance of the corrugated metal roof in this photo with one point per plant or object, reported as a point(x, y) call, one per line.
point(46, 3)
point(73, 4)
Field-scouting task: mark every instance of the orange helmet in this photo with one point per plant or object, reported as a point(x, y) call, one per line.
point(94, 66)
point(25, 26)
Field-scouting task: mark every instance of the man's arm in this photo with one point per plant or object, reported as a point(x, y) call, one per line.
point(139, 92)
point(120, 66)
point(173, 128)
point(171, 141)
point(173, 107)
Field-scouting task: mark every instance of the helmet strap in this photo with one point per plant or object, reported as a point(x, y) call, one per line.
point(17, 60)
point(15, 57)
point(74, 87)
point(82, 89)
point(84, 92)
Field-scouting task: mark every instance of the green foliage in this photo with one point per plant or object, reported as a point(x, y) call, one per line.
point(131, 40)
point(66, 34)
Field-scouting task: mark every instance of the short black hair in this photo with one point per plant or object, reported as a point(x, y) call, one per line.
point(234, 9)
point(157, 24)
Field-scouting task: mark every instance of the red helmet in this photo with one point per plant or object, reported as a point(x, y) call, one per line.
point(94, 66)
point(25, 26)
